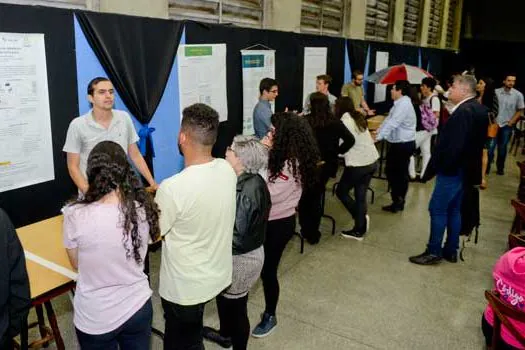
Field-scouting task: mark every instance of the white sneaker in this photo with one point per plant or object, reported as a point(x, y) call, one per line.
point(367, 217)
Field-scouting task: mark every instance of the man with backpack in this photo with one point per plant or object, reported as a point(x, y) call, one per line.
point(426, 127)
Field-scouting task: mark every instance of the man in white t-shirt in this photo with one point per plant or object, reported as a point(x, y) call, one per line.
point(430, 98)
point(322, 84)
point(197, 217)
point(101, 123)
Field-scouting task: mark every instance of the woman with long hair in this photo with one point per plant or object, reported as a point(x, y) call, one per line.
point(486, 95)
point(106, 236)
point(248, 157)
point(328, 130)
point(292, 168)
point(360, 166)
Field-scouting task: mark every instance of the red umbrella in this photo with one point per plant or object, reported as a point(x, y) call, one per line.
point(390, 75)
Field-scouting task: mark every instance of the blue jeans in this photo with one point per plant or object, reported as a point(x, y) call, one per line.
point(502, 140)
point(134, 334)
point(445, 212)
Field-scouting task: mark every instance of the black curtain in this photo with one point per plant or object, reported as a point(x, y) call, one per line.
point(442, 62)
point(493, 59)
point(137, 55)
point(289, 64)
point(41, 201)
point(356, 51)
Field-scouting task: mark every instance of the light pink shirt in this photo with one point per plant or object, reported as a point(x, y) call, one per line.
point(111, 288)
point(285, 193)
point(509, 282)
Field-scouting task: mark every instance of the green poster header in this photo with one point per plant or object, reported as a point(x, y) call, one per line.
point(190, 51)
point(252, 61)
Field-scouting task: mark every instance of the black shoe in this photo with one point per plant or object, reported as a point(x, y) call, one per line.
point(214, 336)
point(425, 259)
point(312, 239)
point(451, 258)
point(500, 172)
point(353, 234)
point(394, 208)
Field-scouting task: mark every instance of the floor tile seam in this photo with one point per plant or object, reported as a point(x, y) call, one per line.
point(326, 330)
point(470, 267)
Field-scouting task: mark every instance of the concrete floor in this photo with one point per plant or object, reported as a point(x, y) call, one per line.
point(345, 294)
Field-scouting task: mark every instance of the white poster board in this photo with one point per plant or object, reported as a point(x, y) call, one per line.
point(256, 65)
point(202, 77)
point(314, 65)
point(380, 89)
point(26, 149)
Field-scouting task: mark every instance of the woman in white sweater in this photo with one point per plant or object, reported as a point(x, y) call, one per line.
point(360, 165)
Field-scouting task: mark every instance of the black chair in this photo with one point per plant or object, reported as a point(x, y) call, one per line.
point(331, 218)
point(517, 135)
point(153, 248)
point(502, 312)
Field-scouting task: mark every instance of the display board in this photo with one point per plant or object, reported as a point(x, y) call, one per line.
point(256, 65)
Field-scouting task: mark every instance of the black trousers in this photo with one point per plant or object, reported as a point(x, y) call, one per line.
point(359, 179)
point(310, 207)
point(6, 343)
point(278, 234)
point(397, 161)
point(183, 329)
point(233, 316)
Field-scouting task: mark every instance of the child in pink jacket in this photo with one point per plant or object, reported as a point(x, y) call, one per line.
point(509, 282)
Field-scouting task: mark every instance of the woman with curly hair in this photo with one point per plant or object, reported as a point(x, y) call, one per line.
point(292, 168)
point(328, 130)
point(106, 236)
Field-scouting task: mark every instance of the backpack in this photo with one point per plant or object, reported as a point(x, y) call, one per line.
point(428, 118)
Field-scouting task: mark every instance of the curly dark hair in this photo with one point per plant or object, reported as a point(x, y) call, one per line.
point(320, 112)
point(294, 143)
point(108, 170)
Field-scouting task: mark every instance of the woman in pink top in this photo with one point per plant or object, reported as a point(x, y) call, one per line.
point(509, 282)
point(292, 167)
point(106, 236)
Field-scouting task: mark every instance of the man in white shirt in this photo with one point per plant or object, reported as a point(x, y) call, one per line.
point(196, 221)
point(321, 85)
point(101, 123)
point(399, 129)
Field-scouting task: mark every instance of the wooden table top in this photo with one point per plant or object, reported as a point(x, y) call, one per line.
point(44, 239)
point(375, 122)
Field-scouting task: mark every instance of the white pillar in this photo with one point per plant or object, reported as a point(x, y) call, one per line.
point(283, 15)
point(355, 26)
point(444, 25)
point(458, 16)
point(398, 21)
point(150, 8)
point(425, 22)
